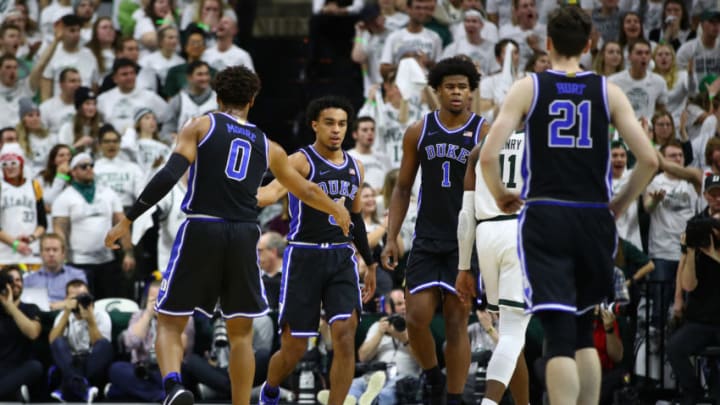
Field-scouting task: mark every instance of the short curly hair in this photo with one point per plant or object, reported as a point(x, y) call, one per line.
point(316, 106)
point(236, 86)
point(451, 67)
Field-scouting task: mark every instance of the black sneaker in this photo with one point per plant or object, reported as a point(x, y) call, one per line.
point(179, 395)
point(433, 394)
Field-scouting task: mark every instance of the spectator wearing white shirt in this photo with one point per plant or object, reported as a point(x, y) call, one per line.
point(193, 101)
point(118, 105)
point(82, 131)
point(12, 89)
point(10, 41)
point(705, 49)
point(81, 334)
point(50, 15)
point(55, 177)
point(371, 32)
point(155, 15)
point(165, 57)
point(646, 91)
point(376, 164)
point(33, 137)
point(606, 20)
point(395, 19)
point(473, 45)
point(529, 34)
point(493, 88)
point(414, 40)
point(101, 44)
point(146, 78)
point(70, 54)
point(82, 214)
point(145, 145)
point(60, 108)
point(331, 7)
point(85, 9)
point(676, 29)
point(124, 177)
point(224, 53)
point(681, 83)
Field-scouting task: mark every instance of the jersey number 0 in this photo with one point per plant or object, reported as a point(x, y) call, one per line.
point(238, 159)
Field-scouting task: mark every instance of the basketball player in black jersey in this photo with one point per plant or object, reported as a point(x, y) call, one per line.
point(214, 259)
point(319, 263)
point(566, 227)
point(440, 144)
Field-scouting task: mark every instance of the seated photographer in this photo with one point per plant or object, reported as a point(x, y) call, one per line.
point(140, 379)
point(19, 326)
point(212, 370)
point(386, 344)
point(80, 345)
point(699, 278)
point(608, 343)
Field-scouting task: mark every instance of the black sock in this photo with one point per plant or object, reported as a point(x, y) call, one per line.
point(454, 399)
point(433, 375)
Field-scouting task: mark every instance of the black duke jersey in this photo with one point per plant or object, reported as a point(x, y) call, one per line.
point(567, 153)
point(443, 155)
point(229, 167)
point(310, 225)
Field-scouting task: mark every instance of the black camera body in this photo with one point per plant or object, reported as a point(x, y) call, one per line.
point(5, 279)
point(84, 300)
point(699, 231)
point(397, 321)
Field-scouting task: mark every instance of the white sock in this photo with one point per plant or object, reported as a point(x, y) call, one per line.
point(486, 401)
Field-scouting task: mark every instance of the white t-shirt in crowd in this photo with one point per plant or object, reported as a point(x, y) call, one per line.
point(401, 41)
point(89, 222)
point(78, 334)
point(159, 63)
point(376, 165)
point(83, 60)
point(233, 56)
point(119, 108)
point(54, 113)
point(644, 93)
point(9, 102)
point(668, 219)
point(125, 178)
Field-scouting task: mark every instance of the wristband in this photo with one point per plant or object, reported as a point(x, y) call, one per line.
point(63, 176)
point(610, 329)
point(490, 330)
point(359, 40)
point(15, 245)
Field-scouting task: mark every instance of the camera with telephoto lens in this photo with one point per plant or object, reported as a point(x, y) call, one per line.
point(699, 231)
point(84, 300)
point(397, 322)
point(220, 334)
point(5, 279)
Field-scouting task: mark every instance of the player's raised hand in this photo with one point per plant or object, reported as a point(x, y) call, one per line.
point(509, 202)
point(342, 216)
point(390, 254)
point(465, 286)
point(121, 229)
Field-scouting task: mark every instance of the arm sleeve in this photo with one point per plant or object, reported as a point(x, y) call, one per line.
point(41, 215)
point(160, 185)
point(360, 238)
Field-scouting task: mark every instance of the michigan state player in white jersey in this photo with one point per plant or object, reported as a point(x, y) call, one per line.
point(499, 267)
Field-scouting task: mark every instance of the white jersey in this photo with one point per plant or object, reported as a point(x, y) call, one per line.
point(188, 108)
point(18, 216)
point(510, 173)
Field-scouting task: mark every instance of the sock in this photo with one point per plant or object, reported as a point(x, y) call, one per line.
point(171, 380)
point(487, 401)
point(454, 399)
point(272, 392)
point(433, 375)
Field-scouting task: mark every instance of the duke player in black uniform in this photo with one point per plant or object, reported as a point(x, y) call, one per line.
point(319, 264)
point(214, 259)
point(566, 227)
point(440, 144)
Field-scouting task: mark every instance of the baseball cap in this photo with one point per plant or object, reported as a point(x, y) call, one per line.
point(80, 158)
point(83, 94)
point(710, 15)
point(711, 181)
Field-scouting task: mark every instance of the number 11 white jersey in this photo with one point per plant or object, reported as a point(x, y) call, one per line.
point(510, 172)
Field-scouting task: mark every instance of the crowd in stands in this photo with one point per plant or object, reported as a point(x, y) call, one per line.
point(91, 105)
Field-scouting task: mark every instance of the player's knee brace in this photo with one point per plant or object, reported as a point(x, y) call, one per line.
point(584, 331)
point(559, 327)
point(512, 339)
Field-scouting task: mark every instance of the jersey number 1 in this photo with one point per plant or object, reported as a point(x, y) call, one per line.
point(238, 159)
point(570, 115)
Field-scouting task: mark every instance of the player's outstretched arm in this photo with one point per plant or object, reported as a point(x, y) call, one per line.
point(400, 198)
point(623, 118)
point(164, 180)
point(515, 106)
point(307, 191)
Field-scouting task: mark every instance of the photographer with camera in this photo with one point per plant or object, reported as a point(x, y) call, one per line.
point(80, 345)
point(140, 378)
point(385, 345)
point(19, 326)
point(699, 278)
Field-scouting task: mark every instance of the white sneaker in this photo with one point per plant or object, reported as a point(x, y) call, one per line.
point(323, 395)
point(106, 390)
point(375, 385)
point(24, 394)
point(92, 392)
